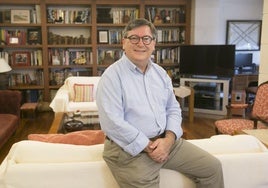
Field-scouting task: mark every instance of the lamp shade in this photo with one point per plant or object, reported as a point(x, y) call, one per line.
point(4, 67)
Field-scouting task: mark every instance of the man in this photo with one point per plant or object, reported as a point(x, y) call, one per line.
point(142, 119)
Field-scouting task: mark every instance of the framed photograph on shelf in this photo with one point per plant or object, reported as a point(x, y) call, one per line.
point(13, 40)
point(34, 36)
point(245, 34)
point(20, 16)
point(21, 58)
point(103, 37)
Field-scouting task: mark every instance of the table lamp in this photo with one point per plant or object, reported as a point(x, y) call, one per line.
point(4, 67)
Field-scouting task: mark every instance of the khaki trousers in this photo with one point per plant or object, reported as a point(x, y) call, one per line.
point(142, 172)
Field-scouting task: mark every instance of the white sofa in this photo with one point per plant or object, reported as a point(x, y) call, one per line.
point(64, 98)
point(33, 164)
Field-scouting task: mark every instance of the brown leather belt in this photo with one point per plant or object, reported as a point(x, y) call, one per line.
point(152, 139)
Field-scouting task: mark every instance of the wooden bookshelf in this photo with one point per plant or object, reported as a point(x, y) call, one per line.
point(90, 32)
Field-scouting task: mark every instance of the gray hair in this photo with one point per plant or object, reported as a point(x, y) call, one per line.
point(137, 23)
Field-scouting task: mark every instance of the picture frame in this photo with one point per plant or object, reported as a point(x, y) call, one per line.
point(103, 37)
point(21, 58)
point(20, 16)
point(34, 36)
point(244, 34)
point(13, 40)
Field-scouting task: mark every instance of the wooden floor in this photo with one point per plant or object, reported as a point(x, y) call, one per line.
point(202, 127)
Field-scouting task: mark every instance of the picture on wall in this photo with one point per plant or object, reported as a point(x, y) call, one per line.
point(244, 34)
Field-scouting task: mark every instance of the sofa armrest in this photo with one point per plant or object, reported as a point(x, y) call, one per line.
point(245, 170)
point(60, 101)
point(28, 151)
point(10, 102)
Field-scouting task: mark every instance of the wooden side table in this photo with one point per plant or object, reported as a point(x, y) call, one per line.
point(182, 92)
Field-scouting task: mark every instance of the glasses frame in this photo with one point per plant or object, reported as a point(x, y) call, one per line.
point(138, 38)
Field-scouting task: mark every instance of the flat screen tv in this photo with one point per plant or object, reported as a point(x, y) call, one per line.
point(207, 60)
point(243, 60)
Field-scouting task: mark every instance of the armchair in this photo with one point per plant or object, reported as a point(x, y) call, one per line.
point(257, 120)
point(77, 93)
point(10, 102)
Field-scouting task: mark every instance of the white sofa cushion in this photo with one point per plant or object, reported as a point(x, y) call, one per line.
point(227, 144)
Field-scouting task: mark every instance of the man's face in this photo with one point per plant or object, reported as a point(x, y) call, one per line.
point(139, 53)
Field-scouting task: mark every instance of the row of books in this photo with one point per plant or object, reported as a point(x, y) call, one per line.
point(26, 78)
point(58, 76)
point(116, 15)
point(124, 15)
point(171, 35)
point(68, 16)
point(32, 95)
point(32, 15)
point(167, 55)
point(114, 36)
point(168, 35)
point(15, 36)
point(166, 15)
point(108, 56)
point(59, 56)
point(60, 39)
point(23, 58)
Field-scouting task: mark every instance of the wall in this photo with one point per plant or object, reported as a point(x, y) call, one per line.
point(263, 71)
point(209, 19)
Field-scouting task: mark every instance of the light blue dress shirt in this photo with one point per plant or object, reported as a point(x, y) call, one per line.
point(135, 106)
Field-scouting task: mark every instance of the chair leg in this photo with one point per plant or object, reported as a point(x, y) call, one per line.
point(217, 130)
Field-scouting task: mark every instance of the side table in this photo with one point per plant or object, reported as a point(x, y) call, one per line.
point(182, 92)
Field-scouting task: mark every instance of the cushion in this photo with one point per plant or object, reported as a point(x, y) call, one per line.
point(85, 137)
point(70, 81)
point(83, 92)
point(227, 144)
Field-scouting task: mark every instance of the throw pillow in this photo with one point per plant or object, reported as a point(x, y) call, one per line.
point(85, 137)
point(83, 92)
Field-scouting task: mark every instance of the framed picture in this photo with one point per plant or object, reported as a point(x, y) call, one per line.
point(13, 40)
point(21, 58)
point(20, 16)
point(103, 37)
point(34, 36)
point(245, 34)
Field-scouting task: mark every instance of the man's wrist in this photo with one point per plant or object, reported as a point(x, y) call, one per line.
point(170, 135)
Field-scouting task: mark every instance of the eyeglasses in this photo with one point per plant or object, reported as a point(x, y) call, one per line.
point(135, 39)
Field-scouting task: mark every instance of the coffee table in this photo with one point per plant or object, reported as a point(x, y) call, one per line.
point(63, 120)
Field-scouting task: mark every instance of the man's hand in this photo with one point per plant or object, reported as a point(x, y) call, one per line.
point(159, 149)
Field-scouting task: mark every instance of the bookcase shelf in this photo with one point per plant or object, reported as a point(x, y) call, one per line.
point(57, 30)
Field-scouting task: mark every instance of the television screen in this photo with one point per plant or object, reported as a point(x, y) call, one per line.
point(243, 60)
point(207, 60)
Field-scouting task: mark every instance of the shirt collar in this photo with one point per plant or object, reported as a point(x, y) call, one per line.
point(133, 67)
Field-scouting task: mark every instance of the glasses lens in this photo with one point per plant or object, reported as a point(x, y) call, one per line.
point(146, 39)
point(134, 39)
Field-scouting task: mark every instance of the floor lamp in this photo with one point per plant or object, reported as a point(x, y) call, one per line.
point(4, 68)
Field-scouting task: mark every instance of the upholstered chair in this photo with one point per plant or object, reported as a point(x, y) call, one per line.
point(10, 102)
point(258, 118)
